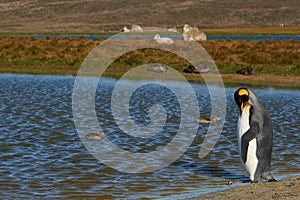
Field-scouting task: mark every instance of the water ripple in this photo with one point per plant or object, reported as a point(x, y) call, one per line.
point(42, 155)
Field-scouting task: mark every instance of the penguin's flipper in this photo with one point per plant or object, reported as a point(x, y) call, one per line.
point(247, 137)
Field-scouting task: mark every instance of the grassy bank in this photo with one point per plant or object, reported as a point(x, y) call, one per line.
point(27, 54)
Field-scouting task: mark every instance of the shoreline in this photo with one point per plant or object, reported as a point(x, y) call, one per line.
point(257, 80)
point(288, 189)
point(229, 80)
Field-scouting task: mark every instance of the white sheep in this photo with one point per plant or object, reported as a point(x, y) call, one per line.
point(172, 30)
point(188, 33)
point(192, 34)
point(134, 28)
point(125, 29)
point(199, 35)
point(163, 40)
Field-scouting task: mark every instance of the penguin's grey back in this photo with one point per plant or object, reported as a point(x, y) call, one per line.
point(260, 114)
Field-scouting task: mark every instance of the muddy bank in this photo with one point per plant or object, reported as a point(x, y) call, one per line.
point(288, 189)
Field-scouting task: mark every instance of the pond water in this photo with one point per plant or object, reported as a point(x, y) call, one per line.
point(43, 156)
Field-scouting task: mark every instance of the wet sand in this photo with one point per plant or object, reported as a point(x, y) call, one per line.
point(287, 189)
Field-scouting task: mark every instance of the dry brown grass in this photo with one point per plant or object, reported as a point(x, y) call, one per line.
point(49, 55)
point(95, 15)
point(268, 56)
point(43, 54)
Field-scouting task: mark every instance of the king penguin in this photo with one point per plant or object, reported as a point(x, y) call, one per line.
point(255, 135)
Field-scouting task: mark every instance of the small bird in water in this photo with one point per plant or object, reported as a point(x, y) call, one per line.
point(207, 120)
point(95, 136)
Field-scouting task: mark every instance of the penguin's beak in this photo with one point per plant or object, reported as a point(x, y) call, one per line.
point(241, 97)
point(244, 100)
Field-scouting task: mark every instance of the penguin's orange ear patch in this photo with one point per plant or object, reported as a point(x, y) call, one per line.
point(243, 92)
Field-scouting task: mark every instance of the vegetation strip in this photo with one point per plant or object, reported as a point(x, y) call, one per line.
point(288, 30)
point(27, 54)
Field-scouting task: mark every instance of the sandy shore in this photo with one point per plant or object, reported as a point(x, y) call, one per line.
point(287, 189)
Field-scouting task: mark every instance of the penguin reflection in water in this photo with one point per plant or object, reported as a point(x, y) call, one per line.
point(255, 135)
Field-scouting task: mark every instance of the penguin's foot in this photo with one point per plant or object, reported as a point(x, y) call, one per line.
point(272, 180)
point(268, 177)
point(254, 181)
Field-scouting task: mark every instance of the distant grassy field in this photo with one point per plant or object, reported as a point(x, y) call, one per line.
point(95, 15)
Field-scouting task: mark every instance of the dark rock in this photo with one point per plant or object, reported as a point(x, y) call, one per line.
point(196, 70)
point(250, 70)
point(241, 71)
point(190, 69)
point(244, 71)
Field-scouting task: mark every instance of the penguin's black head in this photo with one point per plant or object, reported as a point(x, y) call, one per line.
point(241, 97)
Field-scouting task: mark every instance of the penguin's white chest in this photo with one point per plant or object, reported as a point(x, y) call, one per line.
point(244, 126)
